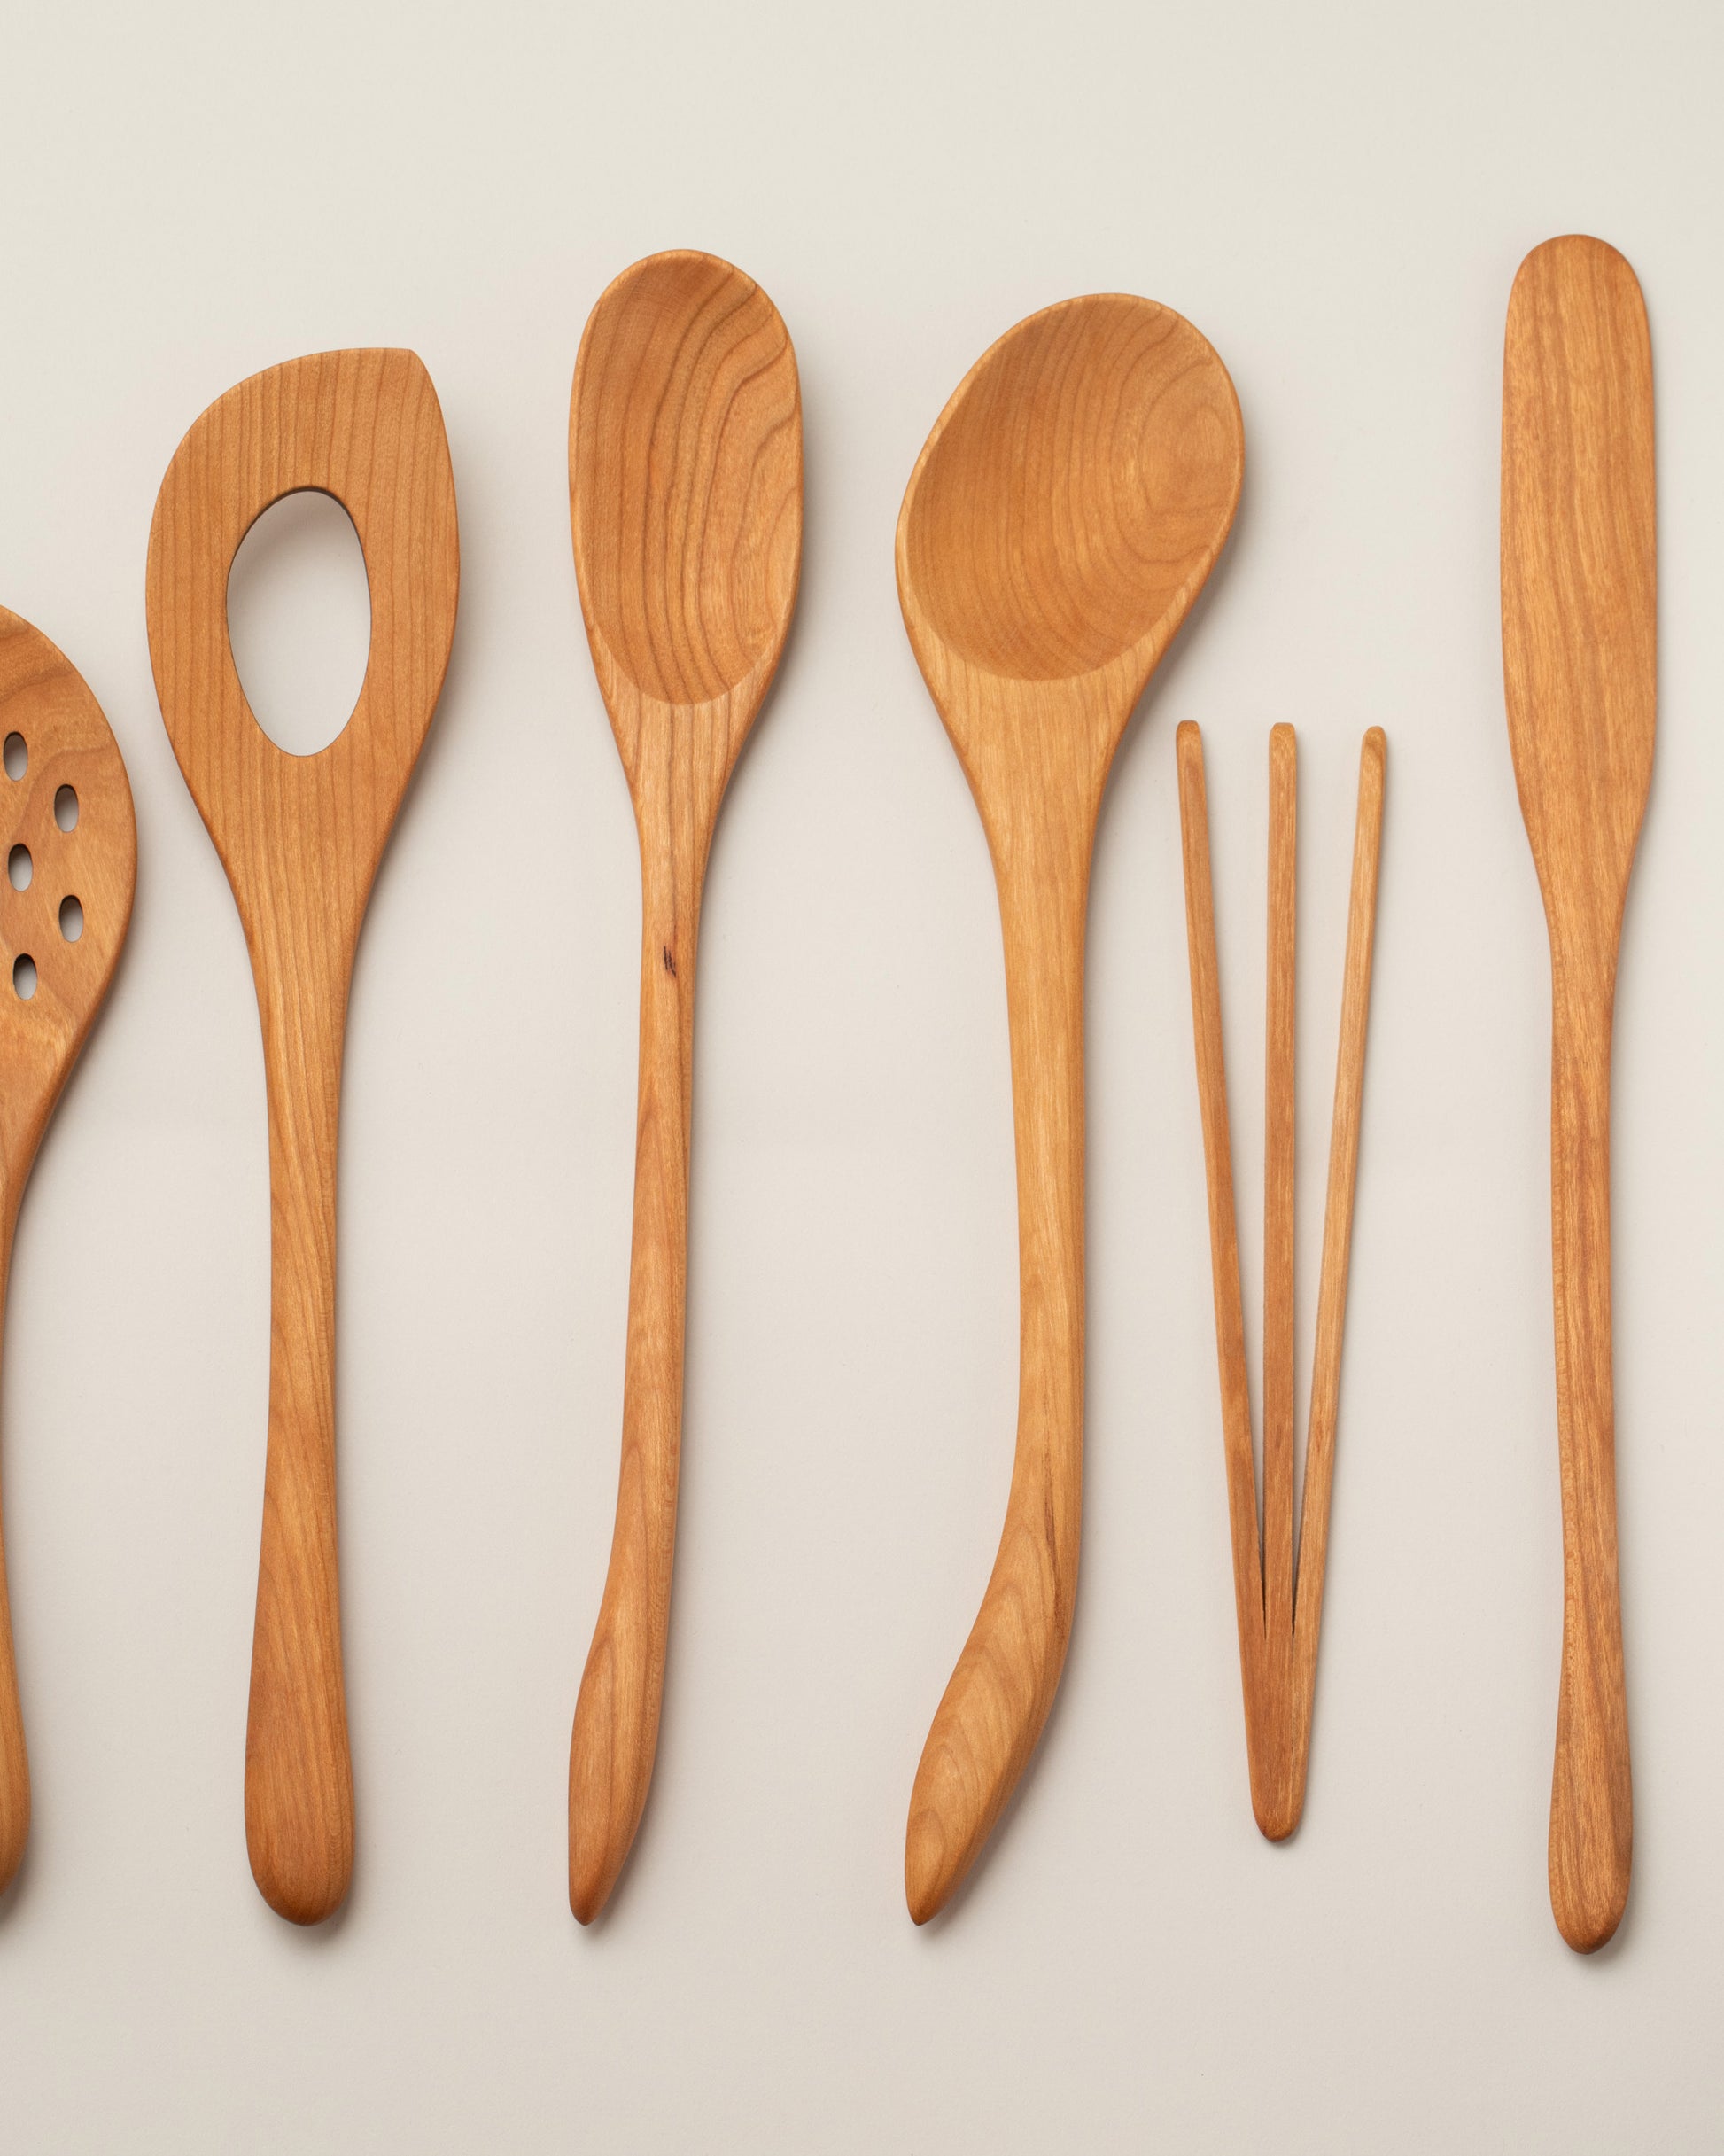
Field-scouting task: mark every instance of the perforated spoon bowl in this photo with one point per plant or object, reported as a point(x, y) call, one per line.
point(685, 482)
point(1062, 516)
point(301, 838)
point(70, 844)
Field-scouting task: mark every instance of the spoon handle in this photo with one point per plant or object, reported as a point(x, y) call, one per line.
point(14, 1759)
point(299, 1779)
point(615, 1730)
point(1591, 1796)
point(999, 1694)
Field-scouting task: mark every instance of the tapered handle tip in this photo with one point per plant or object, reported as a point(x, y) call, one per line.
point(610, 1764)
point(587, 1893)
point(966, 1771)
point(928, 1876)
point(591, 1870)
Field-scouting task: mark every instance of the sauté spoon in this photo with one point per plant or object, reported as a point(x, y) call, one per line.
point(1062, 516)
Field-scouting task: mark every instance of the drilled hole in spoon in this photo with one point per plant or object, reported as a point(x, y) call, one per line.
point(66, 808)
point(24, 976)
point(19, 867)
point(72, 918)
point(17, 756)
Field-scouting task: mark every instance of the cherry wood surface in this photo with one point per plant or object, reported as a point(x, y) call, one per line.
point(1279, 1609)
point(1064, 513)
point(66, 824)
point(1579, 670)
point(300, 838)
point(684, 483)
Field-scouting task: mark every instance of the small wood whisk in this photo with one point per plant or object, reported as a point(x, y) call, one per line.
point(1279, 1613)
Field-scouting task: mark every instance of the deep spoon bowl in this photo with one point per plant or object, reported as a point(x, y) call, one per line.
point(1074, 494)
point(1066, 510)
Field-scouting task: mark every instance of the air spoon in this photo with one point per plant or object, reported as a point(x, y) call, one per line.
point(1064, 513)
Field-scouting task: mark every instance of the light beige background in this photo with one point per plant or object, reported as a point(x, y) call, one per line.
point(1338, 196)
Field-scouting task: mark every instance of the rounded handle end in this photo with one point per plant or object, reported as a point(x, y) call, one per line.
point(1592, 1840)
point(298, 1784)
point(301, 1852)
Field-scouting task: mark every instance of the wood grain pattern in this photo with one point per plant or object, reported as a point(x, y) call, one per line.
point(1580, 667)
point(1280, 1037)
point(1279, 1611)
point(301, 838)
point(1065, 511)
point(66, 749)
point(685, 478)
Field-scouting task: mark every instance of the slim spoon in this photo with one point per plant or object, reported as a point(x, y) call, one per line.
point(685, 485)
point(1062, 516)
point(67, 831)
point(1579, 670)
point(301, 838)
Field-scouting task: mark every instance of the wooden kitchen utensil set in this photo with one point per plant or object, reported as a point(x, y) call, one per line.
point(1065, 512)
